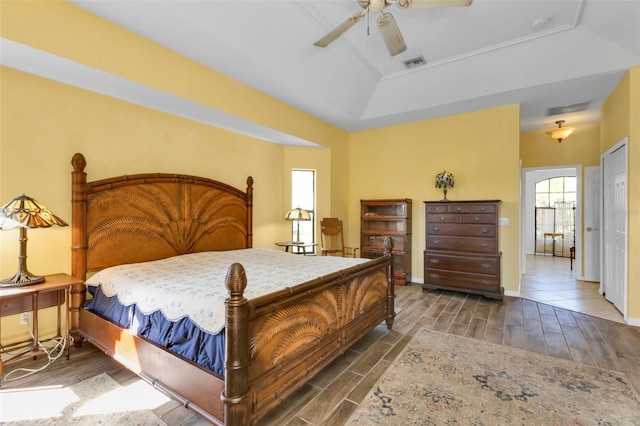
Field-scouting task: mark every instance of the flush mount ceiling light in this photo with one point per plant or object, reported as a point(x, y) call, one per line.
point(560, 132)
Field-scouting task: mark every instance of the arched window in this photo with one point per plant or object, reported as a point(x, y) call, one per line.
point(555, 215)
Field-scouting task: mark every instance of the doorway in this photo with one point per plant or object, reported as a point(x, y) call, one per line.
point(528, 237)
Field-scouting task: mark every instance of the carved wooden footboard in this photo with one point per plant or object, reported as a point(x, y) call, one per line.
point(289, 336)
point(274, 343)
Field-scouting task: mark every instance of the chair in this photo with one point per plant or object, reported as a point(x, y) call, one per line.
point(572, 255)
point(332, 239)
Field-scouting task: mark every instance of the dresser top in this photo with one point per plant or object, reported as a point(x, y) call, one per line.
point(462, 201)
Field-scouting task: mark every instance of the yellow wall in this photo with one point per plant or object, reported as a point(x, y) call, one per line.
point(620, 119)
point(537, 149)
point(48, 122)
point(582, 147)
point(480, 148)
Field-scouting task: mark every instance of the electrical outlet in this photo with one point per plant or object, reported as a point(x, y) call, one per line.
point(25, 318)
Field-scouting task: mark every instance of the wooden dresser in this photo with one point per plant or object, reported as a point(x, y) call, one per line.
point(382, 218)
point(462, 247)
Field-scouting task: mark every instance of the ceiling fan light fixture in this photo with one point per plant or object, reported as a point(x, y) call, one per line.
point(560, 132)
point(386, 22)
point(391, 34)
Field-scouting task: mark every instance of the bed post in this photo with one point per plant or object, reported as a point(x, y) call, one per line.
point(249, 212)
point(236, 388)
point(78, 242)
point(391, 313)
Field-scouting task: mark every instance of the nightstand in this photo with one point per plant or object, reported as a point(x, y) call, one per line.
point(58, 283)
point(303, 246)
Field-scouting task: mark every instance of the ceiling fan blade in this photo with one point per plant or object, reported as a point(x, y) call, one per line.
point(404, 4)
point(391, 34)
point(340, 29)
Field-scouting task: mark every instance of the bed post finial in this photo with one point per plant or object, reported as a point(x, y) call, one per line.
point(78, 162)
point(236, 371)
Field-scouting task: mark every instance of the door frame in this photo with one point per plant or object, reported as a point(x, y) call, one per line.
point(599, 207)
point(526, 197)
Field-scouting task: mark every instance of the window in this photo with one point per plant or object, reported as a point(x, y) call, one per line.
point(303, 195)
point(555, 215)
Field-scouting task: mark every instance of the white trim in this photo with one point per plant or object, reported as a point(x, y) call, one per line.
point(632, 321)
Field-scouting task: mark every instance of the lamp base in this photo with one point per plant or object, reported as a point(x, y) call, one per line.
point(21, 278)
point(445, 195)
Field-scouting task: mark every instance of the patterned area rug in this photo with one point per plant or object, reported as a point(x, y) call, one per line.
point(99, 400)
point(442, 379)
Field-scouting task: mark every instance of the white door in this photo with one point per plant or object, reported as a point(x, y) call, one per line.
point(592, 208)
point(615, 222)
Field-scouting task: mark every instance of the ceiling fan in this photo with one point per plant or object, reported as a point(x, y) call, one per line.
point(386, 22)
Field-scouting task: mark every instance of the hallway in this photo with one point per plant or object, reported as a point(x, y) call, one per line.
point(550, 280)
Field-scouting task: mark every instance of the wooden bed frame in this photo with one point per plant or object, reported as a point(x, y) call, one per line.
point(274, 343)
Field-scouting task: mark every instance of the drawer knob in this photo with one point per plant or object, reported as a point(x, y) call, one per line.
point(476, 219)
point(442, 218)
point(486, 282)
point(436, 242)
point(458, 209)
point(434, 260)
point(434, 276)
point(484, 244)
point(482, 208)
point(484, 230)
point(486, 265)
point(436, 228)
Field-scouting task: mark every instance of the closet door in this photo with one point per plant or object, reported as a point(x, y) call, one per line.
point(615, 227)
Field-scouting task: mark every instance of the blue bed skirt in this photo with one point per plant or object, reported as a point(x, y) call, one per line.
point(182, 337)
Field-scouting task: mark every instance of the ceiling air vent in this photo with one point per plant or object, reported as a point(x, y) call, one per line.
point(567, 109)
point(415, 62)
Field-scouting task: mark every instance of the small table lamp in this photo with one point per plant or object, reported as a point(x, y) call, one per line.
point(298, 214)
point(25, 212)
point(444, 181)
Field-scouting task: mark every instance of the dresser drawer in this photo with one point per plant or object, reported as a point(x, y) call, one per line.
point(477, 218)
point(437, 208)
point(443, 218)
point(469, 244)
point(484, 208)
point(459, 208)
point(463, 281)
point(478, 265)
point(464, 230)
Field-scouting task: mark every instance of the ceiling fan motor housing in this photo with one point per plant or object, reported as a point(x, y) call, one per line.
point(373, 5)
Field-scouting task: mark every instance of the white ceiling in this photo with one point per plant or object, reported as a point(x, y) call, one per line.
point(484, 55)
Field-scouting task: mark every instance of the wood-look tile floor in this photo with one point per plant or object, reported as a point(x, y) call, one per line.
point(331, 397)
point(551, 280)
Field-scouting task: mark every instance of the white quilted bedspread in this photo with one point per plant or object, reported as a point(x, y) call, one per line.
point(193, 284)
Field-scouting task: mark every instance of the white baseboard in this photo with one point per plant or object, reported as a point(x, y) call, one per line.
point(512, 293)
point(632, 321)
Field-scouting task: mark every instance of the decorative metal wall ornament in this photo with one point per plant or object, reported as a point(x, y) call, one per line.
point(444, 181)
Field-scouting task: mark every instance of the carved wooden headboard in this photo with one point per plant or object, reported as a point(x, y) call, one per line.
point(145, 217)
